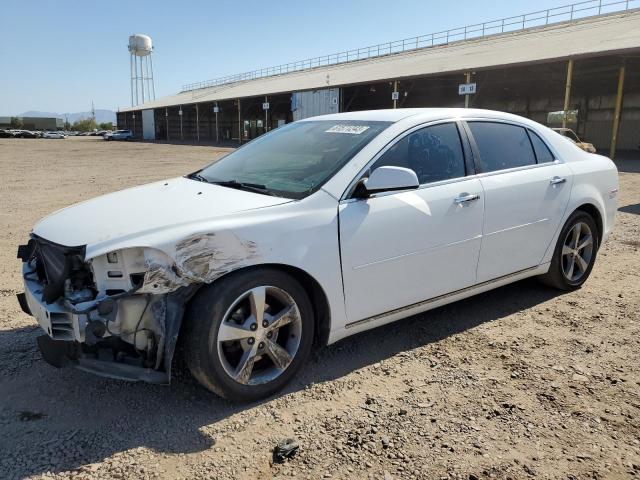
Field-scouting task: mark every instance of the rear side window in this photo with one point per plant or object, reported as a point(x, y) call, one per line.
point(543, 154)
point(434, 153)
point(502, 146)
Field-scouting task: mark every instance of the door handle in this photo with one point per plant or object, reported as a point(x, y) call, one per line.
point(465, 198)
point(557, 180)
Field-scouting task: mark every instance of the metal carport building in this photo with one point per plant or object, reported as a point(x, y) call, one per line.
point(583, 58)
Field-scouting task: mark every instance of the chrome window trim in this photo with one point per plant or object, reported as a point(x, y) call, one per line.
point(345, 198)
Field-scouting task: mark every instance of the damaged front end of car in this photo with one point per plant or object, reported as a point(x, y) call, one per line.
point(116, 315)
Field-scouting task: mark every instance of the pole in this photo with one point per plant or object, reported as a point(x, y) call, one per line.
point(217, 138)
point(153, 85)
point(395, 89)
point(197, 123)
point(567, 92)
point(181, 131)
point(131, 71)
point(142, 77)
point(166, 116)
point(467, 79)
point(616, 115)
point(266, 115)
point(135, 64)
point(239, 123)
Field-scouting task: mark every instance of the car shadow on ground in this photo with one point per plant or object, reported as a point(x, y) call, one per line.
point(57, 420)
point(628, 162)
point(633, 209)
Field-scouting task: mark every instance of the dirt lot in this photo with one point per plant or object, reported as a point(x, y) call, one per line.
point(518, 382)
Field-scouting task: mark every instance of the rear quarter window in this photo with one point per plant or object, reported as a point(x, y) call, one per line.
point(543, 154)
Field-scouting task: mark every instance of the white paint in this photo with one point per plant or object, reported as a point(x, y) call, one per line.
point(522, 212)
point(391, 178)
point(395, 254)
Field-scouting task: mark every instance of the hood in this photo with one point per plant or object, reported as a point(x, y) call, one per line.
point(146, 208)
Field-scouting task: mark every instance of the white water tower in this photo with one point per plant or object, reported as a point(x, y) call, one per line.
point(142, 87)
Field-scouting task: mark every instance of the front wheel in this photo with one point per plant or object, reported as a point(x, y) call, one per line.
point(249, 334)
point(575, 253)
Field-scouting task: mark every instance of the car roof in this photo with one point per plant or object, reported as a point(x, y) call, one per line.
point(425, 114)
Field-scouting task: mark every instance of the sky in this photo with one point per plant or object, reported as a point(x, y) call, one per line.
point(61, 56)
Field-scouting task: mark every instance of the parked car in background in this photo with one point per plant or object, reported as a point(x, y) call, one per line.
point(318, 230)
point(28, 134)
point(118, 135)
point(52, 135)
point(6, 133)
point(571, 135)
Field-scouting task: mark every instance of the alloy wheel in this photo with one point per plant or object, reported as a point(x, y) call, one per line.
point(577, 251)
point(259, 335)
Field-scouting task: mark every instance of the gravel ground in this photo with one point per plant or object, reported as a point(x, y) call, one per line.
point(518, 382)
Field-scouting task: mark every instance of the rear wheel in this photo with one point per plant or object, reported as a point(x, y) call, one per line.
point(248, 335)
point(575, 253)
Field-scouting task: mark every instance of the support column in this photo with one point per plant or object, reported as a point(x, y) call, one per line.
point(567, 92)
point(166, 116)
point(395, 89)
point(180, 114)
point(616, 114)
point(239, 123)
point(467, 79)
point(197, 123)
point(266, 116)
point(217, 108)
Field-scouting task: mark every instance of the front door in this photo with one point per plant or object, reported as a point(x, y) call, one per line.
point(401, 248)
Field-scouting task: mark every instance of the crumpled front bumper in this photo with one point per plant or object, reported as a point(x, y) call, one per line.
point(65, 330)
point(55, 319)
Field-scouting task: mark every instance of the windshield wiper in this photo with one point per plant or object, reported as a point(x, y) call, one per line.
point(198, 177)
point(251, 187)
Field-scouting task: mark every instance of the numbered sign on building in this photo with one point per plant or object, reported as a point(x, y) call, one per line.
point(265, 106)
point(466, 89)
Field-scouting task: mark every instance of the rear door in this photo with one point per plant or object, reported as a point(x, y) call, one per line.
point(526, 193)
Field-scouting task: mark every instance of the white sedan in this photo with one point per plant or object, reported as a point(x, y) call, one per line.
point(313, 232)
point(53, 135)
point(118, 135)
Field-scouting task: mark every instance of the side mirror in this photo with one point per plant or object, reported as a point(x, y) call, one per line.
point(387, 179)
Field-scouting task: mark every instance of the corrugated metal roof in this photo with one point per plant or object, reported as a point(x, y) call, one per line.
point(587, 37)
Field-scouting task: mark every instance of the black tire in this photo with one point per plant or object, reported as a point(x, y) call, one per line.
point(206, 313)
point(556, 276)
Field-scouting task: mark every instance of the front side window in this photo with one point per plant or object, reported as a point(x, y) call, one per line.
point(434, 153)
point(502, 146)
point(294, 160)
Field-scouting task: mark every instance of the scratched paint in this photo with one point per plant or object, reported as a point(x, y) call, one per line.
point(199, 258)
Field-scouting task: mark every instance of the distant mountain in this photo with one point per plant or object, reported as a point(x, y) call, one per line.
point(102, 116)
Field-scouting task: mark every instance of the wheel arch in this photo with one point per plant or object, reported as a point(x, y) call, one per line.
point(595, 213)
point(317, 296)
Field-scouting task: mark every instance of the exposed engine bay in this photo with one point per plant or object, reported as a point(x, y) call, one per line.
point(96, 313)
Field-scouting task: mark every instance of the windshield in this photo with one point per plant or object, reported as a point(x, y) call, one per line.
point(295, 160)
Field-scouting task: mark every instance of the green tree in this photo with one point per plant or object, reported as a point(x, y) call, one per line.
point(84, 125)
point(67, 126)
point(16, 123)
point(106, 126)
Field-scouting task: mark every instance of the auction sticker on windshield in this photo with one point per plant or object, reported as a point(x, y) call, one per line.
point(352, 129)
